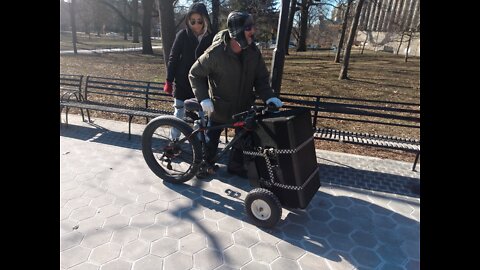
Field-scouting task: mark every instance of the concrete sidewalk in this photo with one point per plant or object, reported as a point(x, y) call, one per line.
point(116, 214)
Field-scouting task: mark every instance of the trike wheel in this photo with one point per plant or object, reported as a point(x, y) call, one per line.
point(263, 208)
point(174, 161)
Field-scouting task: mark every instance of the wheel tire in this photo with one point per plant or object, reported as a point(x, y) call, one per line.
point(151, 160)
point(263, 208)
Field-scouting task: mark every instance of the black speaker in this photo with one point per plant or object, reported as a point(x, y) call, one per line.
point(284, 154)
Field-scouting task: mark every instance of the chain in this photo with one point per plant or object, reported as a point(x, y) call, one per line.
point(270, 151)
point(297, 187)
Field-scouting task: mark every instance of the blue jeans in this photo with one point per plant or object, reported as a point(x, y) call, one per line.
point(179, 113)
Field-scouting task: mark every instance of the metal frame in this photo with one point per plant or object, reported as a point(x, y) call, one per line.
point(125, 91)
point(386, 113)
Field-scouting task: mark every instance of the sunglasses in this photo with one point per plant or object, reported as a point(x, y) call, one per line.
point(248, 27)
point(192, 22)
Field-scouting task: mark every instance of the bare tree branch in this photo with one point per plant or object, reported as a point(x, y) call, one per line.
point(120, 13)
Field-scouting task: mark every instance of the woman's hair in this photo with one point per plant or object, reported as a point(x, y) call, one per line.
point(206, 27)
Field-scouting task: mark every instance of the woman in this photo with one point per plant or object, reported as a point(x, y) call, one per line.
point(189, 44)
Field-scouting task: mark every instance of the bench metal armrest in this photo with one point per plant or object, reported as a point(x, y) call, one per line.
point(67, 96)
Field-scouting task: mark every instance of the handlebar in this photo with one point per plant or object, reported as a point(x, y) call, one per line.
point(254, 110)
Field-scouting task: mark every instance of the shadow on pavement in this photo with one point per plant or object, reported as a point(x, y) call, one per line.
point(334, 227)
point(338, 175)
point(377, 181)
point(98, 134)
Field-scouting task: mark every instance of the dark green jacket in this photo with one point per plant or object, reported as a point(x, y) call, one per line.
point(233, 81)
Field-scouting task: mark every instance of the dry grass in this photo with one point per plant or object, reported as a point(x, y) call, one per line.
point(373, 75)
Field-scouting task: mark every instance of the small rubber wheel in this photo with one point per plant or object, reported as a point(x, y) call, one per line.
point(263, 208)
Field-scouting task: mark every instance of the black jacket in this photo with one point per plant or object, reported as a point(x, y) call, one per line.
point(185, 50)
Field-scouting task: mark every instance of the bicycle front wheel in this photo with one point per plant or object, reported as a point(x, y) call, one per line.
point(174, 160)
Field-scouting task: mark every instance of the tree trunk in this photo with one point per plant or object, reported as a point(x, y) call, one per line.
point(215, 14)
point(147, 26)
point(400, 45)
point(122, 14)
point(302, 42)
point(291, 15)
point(376, 43)
point(135, 19)
point(342, 35)
point(351, 38)
point(408, 45)
point(167, 27)
point(125, 24)
point(74, 28)
point(365, 42)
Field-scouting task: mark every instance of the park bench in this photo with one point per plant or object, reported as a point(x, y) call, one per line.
point(121, 96)
point(377, 119)
point(329, 114)
point(70, 91)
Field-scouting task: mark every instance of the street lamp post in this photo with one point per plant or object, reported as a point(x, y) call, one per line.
point(278, 57)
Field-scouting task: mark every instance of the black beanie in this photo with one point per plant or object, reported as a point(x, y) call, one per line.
point(236, 23)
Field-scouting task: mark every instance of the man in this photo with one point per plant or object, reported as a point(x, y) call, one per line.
point(236, 73)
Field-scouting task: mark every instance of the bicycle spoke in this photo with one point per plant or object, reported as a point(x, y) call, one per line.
point(188, 155)
point(173, 160)
point(162, 136)
point(180, 172)
point(179, 161)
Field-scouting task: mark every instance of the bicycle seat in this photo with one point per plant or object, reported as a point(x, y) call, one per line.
point(192, 105)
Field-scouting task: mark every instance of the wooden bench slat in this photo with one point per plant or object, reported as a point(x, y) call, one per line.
point(124, 91)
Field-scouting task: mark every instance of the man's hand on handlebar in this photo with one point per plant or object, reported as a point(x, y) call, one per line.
point(256, 110)
point(207, 106)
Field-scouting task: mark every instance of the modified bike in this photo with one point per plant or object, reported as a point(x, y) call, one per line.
point(281, 159)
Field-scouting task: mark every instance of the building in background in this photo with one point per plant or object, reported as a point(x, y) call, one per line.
point(386, 25)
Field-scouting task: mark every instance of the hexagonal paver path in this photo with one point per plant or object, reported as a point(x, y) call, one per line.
point(116, 214)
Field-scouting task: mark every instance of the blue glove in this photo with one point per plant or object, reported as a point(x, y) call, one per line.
point(207, 106)
point(277, 102)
